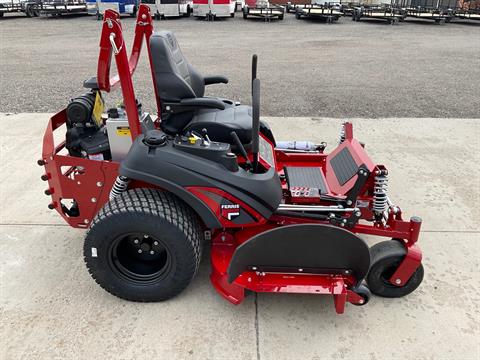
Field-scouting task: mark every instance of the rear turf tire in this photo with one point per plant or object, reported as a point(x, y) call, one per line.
point(158, 223)
point(386, 256)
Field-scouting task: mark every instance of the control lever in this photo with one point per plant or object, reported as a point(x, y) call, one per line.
point(205, 137)
point(242, 150)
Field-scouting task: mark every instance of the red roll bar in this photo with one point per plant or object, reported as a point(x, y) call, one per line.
point(112, 41)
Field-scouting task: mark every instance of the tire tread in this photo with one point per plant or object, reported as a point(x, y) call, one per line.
point(159, 204)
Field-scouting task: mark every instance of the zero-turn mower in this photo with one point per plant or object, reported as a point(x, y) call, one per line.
point(278, 217)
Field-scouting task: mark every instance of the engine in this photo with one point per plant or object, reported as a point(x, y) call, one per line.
point(86, 134)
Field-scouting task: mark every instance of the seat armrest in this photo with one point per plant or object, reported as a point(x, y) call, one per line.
point(203, 102)
point(215, 79)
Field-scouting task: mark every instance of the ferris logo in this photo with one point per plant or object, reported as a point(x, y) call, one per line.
point(230, 212)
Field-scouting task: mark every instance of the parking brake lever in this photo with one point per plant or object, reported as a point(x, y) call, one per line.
point(242, 150)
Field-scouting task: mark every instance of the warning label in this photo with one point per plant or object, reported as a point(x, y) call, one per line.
point(123, 131)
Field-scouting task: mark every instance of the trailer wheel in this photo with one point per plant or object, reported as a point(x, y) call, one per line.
point(144, 245)
point(29, 11)
point(386, 257)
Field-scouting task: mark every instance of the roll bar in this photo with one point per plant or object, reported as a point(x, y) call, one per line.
point(112, 41)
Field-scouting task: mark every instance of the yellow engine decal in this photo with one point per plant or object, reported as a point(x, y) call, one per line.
point(98, 109)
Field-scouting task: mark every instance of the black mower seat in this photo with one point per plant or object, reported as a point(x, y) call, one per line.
point(220, 124)
point(181, 90)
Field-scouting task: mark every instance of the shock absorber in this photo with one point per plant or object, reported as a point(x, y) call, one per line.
point(120, 185)
point(380, 201)
point(342, 134)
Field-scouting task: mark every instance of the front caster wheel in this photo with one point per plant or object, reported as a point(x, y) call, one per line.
point(386, 257)
point(364, 292)
point(145, 245)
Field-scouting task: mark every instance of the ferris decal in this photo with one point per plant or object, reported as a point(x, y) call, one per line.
point(230, 212)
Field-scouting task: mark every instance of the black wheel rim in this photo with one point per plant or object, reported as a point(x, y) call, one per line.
point(140, 258)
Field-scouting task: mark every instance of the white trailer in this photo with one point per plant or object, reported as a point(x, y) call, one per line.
point(161, 9)
point(212, 9)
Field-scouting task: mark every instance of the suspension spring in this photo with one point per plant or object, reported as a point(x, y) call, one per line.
point(342, 135)
point(120, 185)
point(380, 199)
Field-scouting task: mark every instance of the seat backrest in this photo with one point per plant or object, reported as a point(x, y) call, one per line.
point(175, 78)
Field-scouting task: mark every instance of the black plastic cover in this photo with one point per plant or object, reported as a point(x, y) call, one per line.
point(317, 248)
point(174, 170)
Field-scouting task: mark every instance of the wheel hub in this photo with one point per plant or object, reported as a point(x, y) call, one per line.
point(140, 258)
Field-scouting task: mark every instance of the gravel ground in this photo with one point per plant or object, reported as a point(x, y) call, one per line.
point(366, 69)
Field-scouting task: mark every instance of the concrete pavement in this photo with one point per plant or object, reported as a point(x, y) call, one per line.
point(51, 308)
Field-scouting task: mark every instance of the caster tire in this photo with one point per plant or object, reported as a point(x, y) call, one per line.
point(364, 292)
point(144, 245)
point(386, 257)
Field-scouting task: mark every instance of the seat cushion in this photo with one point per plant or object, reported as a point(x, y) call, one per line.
point(220, 123)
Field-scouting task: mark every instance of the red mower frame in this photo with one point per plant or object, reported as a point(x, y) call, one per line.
point(89, 182)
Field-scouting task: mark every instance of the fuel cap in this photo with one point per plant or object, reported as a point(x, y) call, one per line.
point(155, 138)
